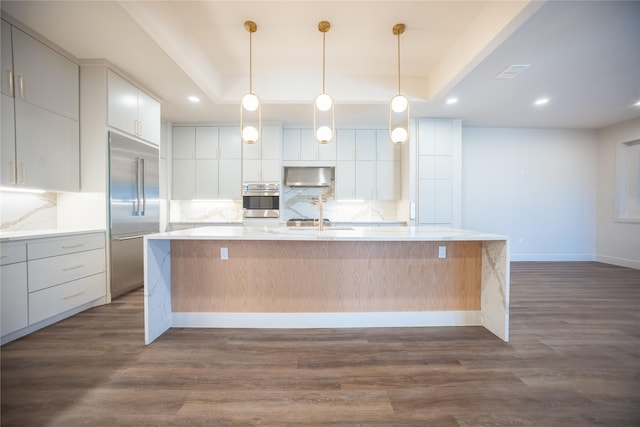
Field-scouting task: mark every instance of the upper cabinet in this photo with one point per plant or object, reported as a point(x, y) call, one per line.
point(368, 166)
point(261, 161)
point(206, 163)
point(132, 110)
point(40, 115)
point(300, 148)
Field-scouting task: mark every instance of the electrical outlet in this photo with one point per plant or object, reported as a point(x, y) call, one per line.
point(442, 251)
point(224, 253)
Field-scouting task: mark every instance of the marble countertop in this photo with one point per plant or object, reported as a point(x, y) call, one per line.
point(36, 234)
point(338, 233)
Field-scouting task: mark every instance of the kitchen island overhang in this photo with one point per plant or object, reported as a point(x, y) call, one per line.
point(339, 277)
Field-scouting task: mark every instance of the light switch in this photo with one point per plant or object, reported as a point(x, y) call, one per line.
point(442, 251)
point(224, 253)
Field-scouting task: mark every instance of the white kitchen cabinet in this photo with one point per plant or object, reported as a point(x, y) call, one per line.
point(439, 176)
point(366, 169)
point(346, 144)
point(366, 144)
point(206, 163)
point(43, 77)
point(300, 148)
point(47, 279)
point(206, 142)
point(40, 115)
point(64, 273)
point(261, 161)
point(366, 180)
point(388, 179)
point(345, 180)
point(207, 180)
point(385, 149)
point(6, 61)
point(132, 110)
point(13, 288)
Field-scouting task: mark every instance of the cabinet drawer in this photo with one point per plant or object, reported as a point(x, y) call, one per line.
point(58, 299)
point(65, 245)
point(47, 272)
point(12, 253)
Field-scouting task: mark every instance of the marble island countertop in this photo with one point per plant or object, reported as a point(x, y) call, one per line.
point(339, 232)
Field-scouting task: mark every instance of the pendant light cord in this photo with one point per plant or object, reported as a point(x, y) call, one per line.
point(399, 63)
point(324, 34)
point(250, 62)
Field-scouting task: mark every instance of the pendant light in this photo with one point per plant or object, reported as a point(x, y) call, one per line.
point(250, 106)
point(323, 115)
point(399, 105)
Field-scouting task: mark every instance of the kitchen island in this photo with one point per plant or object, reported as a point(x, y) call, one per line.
point(279, 277)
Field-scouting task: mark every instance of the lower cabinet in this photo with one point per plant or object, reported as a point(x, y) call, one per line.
point(14, 313)
point(47, 279)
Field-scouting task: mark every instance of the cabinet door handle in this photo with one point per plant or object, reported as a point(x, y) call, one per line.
point(77, 294)
point(4, 256)
point(75, 267)
point(23, 173)
point(21, 86)
point(139, 128)
point(14, 172)
point(10, 82)
point(72, 246)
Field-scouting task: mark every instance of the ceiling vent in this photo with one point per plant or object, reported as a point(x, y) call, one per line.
point(512, 71)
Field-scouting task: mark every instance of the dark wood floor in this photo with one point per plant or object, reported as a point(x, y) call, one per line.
point(573, 360)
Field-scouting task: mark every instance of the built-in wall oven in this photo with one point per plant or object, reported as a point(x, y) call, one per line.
point(261, 200)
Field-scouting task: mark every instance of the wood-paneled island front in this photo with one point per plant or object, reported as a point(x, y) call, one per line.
point(243, 277)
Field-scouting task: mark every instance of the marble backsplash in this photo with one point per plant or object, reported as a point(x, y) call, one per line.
point(28, 211)
point(202, 211)
point(302, 202)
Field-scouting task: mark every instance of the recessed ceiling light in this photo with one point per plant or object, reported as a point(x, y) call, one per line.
point(541, 101)
point(637, 104)
point(451, 101)
point(193, 98)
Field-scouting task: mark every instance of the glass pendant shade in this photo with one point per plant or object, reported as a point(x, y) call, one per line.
point(250, 105)
point(250, 134)
point(324, 102)
point(399, 103)
point(324, 134)
point(250, 102)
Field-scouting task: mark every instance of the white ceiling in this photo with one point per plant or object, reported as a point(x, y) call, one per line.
point(583, 55)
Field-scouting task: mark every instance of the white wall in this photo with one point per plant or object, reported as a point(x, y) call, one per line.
point(537, 186)
point(617, 242)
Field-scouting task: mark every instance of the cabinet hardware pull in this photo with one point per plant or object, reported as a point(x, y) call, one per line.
point(77, 294)
point(10, 76)
point(21, 86)
point(139, 128)
point(4, 256)
point(14, 172)
point(75, 267)
point(72, 246)
point(23, 173)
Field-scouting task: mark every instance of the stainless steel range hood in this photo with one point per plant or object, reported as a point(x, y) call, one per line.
point(309, 176)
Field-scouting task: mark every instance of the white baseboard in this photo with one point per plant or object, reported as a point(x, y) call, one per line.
point(553, 257)
point(326, 320)
point(622, 262)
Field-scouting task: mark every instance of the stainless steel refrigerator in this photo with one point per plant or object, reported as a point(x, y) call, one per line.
point(134, 208)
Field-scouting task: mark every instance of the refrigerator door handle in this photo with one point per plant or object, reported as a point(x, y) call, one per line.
point(120, 239)
point(136, 212)
point(144, 194)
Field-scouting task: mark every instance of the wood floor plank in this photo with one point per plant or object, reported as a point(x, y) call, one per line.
point(573, 360)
